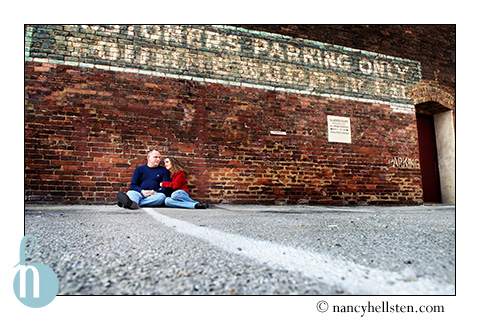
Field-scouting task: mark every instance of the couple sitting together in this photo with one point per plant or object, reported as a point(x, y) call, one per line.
point(154, 185)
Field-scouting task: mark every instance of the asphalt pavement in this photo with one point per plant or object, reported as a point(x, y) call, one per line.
point(246, 249)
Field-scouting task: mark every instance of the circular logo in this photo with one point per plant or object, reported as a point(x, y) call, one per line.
point(322, 306)
point(35, 284)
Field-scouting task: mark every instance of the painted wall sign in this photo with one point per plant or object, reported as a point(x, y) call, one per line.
point(233, 55)
point(339, 129)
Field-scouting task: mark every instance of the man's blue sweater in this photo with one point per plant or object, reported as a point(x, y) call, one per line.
point(146, 178)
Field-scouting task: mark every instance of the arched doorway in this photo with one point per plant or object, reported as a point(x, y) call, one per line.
point(436, 134)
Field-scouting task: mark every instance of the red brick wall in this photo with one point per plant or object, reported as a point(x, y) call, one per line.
point(87, 128)
point(434, 46)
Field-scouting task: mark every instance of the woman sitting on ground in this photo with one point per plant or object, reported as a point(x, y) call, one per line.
point(180, 197)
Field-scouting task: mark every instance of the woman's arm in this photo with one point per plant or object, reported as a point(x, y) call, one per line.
point(179, 179)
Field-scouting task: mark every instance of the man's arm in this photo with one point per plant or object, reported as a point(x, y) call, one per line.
point(136, 180)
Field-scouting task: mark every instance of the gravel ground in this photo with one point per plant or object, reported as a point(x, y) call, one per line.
point(107, 250)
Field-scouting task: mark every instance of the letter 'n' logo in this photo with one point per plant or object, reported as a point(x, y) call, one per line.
point(35, 284)
point(23, 275)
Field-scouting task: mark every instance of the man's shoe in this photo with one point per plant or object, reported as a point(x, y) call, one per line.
point(124, 200)
point(134, 206)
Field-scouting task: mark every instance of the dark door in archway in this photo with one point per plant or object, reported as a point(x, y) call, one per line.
point(428, 158)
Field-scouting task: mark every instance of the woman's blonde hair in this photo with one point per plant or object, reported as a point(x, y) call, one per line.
point(176, 165)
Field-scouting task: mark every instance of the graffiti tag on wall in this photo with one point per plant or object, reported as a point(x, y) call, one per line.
point(405, 162)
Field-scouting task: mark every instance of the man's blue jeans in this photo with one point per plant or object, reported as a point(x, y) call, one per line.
point(180, 199)
point(154, 200)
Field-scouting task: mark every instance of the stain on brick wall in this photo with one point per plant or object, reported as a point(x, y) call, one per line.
point(91, 113)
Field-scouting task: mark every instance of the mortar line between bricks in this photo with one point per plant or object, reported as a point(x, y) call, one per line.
point(354, 278)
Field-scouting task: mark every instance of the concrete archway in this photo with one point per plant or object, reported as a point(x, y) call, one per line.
point(431, 100)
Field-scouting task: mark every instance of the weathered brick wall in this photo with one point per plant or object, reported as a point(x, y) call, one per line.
point(250, 126)
point(434, 46)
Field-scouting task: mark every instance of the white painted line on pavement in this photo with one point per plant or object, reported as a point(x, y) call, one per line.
point(352, 277)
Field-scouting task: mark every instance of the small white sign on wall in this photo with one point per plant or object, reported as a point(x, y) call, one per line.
point(339, 129)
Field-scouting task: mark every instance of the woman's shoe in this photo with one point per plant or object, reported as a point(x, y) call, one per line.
point(201, 206)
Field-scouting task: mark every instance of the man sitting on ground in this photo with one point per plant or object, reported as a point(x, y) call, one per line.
point(145, 186)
